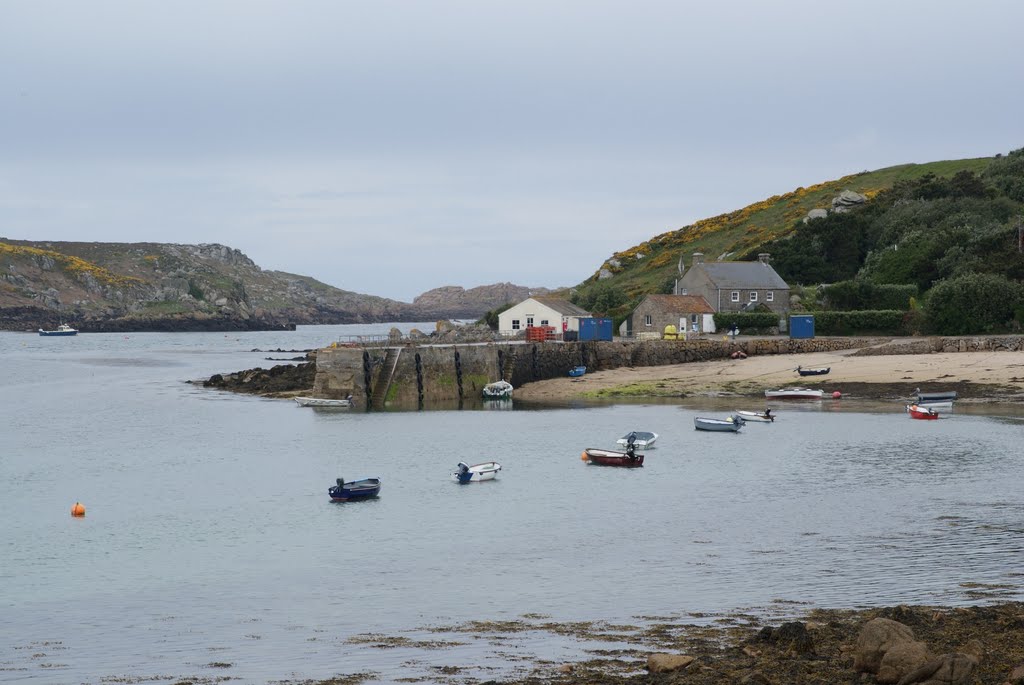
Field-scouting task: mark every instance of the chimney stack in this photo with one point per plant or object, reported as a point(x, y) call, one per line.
point(764, 258)
point(698, 258)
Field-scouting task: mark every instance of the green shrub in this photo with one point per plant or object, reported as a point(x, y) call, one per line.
point(974, 303)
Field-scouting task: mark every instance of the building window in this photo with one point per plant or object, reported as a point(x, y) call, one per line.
point(753, 296)
point(544, 322)
point(515, 324)
point(529, 320)
point(647, 320)
point(770, 297)
point(735, 295)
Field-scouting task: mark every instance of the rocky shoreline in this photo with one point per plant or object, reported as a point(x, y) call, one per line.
point(901, 645)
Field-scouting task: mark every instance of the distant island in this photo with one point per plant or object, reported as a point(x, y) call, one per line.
point(207, 287)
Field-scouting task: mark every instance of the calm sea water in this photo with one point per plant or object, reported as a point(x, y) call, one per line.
point(209, 538)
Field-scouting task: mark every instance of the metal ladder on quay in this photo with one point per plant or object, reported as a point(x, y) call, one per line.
point(387, 374)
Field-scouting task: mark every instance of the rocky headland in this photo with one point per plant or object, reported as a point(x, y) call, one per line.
point(106, 287)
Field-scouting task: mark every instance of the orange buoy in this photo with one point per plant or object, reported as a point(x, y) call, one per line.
point(583, 456)
point(78, 509)
point(836, 395)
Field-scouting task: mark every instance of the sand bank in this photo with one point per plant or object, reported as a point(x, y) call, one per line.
point(977, 376)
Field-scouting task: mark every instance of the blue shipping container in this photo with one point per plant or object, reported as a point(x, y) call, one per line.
point(595, 329)
point(801, 326)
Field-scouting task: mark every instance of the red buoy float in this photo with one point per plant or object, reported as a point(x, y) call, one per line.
point(78, 509)
point(836, 395)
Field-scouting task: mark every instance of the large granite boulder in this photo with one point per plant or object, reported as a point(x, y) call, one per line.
point(847, 200)
point(877, 637)
point(815, 214)
point(956, 668)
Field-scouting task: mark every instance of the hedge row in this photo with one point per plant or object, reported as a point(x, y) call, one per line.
point(877, 321)
point(864, 295)
point(749, 323)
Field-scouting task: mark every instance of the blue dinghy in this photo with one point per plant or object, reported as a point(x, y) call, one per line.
point(577, 371)
point(361, 488)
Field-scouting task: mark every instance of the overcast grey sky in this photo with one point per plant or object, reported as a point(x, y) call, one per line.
point(391, 147)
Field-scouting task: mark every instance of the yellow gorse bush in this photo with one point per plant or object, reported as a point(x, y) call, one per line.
point(73, 265)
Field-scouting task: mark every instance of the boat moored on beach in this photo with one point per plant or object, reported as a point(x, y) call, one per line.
point(794, 394)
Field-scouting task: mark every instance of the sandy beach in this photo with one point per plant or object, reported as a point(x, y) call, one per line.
point(976, 376)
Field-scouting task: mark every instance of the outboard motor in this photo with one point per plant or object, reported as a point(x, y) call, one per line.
point(463, 467)
point(340, 482)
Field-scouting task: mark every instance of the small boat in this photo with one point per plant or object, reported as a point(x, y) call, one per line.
point(641, 439)
point(498, 390)
point(813, 372)
point(934, 396)
point(628, 458)
point(765, 416)
point(577, 371)
point(730, 425)
point(794, 393)
point(918, 412)
point(488, 470)
point(62, 329)
point(360, 488)
point(323, 402)
point(936, 404)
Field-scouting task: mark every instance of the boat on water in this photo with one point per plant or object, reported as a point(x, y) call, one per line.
point(640, 439)
point(323, 402)
point(821, 371)
point(360, 488)
point(765, 416)
point(577, 371)
point(465, 473)
point(62, 329)
point(794, 393)
point(935, 404)
point(628, 459)
point(919, 412)
point(729, 425)
point(498, 390)
point(935, 396)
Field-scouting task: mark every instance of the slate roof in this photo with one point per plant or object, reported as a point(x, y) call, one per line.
point(563, 307)
point(744, 275)
point(683, 304)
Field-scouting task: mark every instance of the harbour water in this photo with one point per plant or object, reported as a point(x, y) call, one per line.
point(210, 548)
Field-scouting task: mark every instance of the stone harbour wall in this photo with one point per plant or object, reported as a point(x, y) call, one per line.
point(443, 373)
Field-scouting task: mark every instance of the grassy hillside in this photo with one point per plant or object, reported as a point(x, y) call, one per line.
point(651, 267)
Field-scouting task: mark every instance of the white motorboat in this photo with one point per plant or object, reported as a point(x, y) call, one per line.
point(323, 402)
point(765, 416)
point(935, 404)
point(62, 329)
point(731, 424)
point(794, 393)
point(487, 470)
point(641, 439)
point(497, 390)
